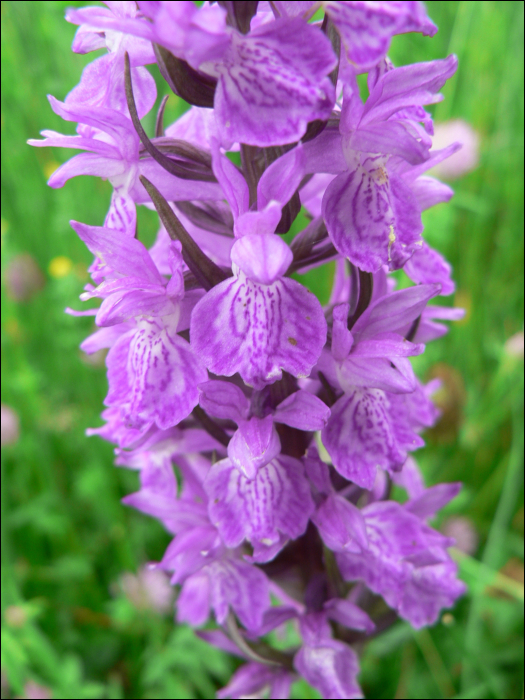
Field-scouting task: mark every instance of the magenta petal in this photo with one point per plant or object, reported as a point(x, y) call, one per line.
point(394, 311)
point(427, 266)
point(122, 213)
point(223, 400)
point(415, 84)
point(331, 667)
point(101, 18)
point(280, 180)
point(428, 192)
point(360, 437)
point(276, 501)
point(317, 471)
point(172, 188)
point(253, 678)
point(255, 444)
point(104, 337)
point(302, 410)
point(410, 478)
point(86, 39)
point(110, 121)
point(389, 137)
point(433, 499)
point(123, 254)
point(188, 552)
point(341, 525)
point(387, 345)
point(324, 154)
point(86, 164)
point(165, 374)
point(258, 222)
point(377, 373)
point(117, 364)
point(102, 85)
point(346, 613)
point(242, 587)
point(258, 331)
point(372, 216)
point(131, 303)
point(342, 339)
point(429, 590)
point(366, 30)
point(263, 258)
point(193, 603)
point(53, 138)
point(232, 182)
point(265, 101)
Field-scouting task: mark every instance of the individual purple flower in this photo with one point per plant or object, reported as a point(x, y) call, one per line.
point(113, 154)
point(270, 82)
point(257, 493)
point(364, 431)
point(406, 561)
point(102, 82)
point(152, 371)
point(366, 28)
point(372, 212)
point(256, 441)
point(260, 322)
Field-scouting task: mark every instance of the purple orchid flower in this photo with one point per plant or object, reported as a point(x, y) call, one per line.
point(369, 364)
point(373, 208)
point(235, 486)
point(252, 77)
point(366, 28)
point(229, 464)
point(152, 371)
point(102, 83)
point(406, 561)
point(250, 324)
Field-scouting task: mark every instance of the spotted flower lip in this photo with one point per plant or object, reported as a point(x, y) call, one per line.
point(266, 429)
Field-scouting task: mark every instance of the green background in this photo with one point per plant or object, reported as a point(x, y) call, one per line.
point(67, 539)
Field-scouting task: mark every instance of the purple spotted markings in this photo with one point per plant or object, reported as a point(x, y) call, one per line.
point(267, 428)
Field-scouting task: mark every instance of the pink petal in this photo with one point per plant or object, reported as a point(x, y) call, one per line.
point(164, 374)
point(302, 410)
point(258, 331)
point(360, 437)
point(276, 501)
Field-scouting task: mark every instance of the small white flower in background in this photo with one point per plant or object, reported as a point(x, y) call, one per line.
point(23, 278)
point(514, 345)
point(10, 426)
point(464, 160)
point(34, 691)
point(463, 531)
point(148, 590)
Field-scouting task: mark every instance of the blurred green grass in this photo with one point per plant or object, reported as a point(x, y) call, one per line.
point(66, 539)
